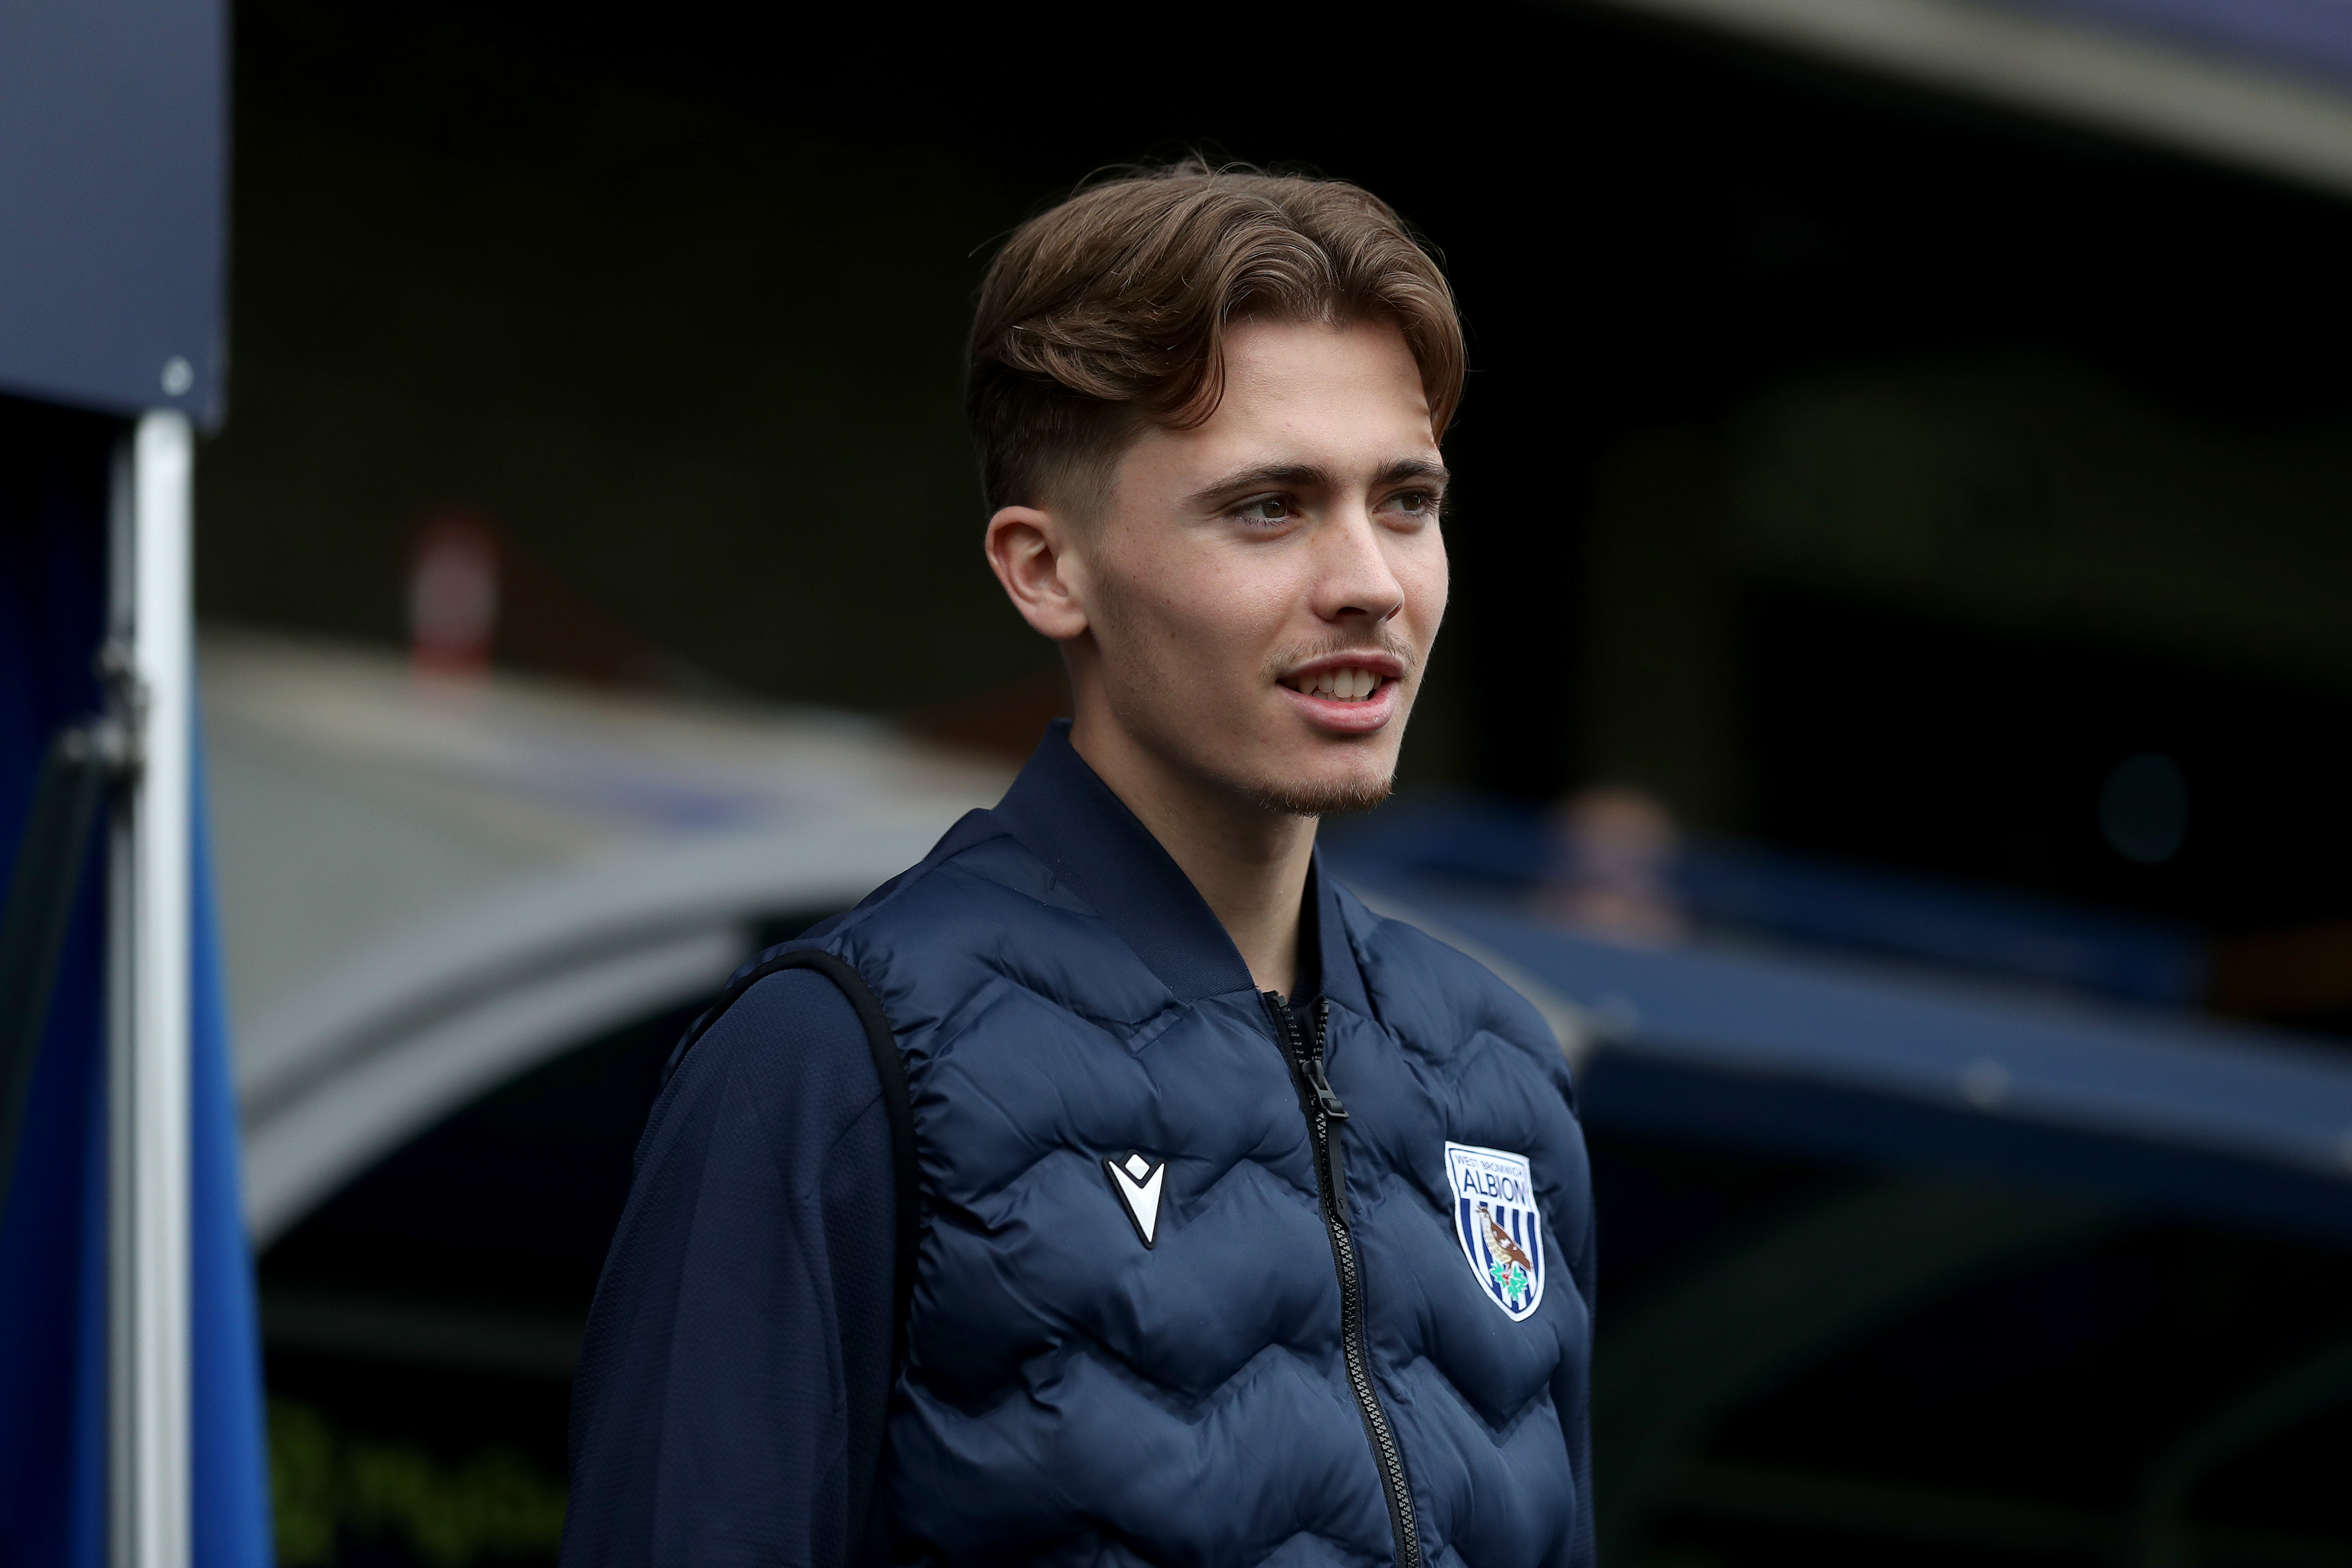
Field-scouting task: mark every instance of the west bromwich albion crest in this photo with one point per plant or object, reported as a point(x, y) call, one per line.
point(1501, 1231)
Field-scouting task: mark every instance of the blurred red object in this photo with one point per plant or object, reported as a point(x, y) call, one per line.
point(453, 597)
point(476, 596)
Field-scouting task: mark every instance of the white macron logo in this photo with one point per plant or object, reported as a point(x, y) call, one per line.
point(1138, 1181)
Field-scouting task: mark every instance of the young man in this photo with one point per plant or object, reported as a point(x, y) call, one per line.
point(1112, 1187)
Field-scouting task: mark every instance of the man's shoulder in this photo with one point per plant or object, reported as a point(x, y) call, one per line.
point(803, 1001)
point(778, 1025)
point(779, 1064)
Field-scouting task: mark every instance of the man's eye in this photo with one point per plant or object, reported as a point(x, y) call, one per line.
point(1265, 509)
point(1414, 503)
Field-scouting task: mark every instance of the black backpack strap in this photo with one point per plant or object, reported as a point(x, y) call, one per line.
point(898, 1107)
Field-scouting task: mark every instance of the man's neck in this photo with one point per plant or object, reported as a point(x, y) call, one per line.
point(1249, 863)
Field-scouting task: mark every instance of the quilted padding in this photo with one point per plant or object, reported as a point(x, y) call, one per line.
point(1073, 1397)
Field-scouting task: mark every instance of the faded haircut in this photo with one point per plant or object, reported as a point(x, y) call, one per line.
point(1110, 310)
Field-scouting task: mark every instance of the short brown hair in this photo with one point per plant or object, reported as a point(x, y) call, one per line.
point(1110, 309)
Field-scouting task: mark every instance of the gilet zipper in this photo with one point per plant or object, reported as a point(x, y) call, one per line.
point(1324, 1114)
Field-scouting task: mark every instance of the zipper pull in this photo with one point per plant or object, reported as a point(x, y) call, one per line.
point(1307, 1066)
point(1324, 1097)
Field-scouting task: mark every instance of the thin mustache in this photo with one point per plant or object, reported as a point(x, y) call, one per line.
point(1394, 646)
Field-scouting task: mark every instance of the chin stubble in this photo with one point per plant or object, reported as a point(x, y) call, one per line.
point(1327, 800)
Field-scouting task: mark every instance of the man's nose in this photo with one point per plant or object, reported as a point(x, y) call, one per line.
point(1357, 578)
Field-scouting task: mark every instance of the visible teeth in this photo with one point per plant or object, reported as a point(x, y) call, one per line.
point(1341, 685)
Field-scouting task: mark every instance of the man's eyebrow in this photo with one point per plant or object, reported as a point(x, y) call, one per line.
point(1271, 476)
point(1308, 476)
point(1406, 468)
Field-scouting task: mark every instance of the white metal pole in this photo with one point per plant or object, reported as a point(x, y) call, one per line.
point(150, 659)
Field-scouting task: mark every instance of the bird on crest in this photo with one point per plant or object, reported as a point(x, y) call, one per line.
point(1500, 1242)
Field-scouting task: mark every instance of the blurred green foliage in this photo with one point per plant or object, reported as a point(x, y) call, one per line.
point(331, 1486)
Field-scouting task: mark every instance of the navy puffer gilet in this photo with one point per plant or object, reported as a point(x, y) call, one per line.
point(1063, 997)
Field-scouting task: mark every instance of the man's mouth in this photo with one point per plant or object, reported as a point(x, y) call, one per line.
point(1348, 683)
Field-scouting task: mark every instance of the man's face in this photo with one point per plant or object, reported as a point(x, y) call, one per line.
point(1261, 592)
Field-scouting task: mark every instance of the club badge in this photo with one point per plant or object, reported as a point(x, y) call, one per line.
point(1501, 1231)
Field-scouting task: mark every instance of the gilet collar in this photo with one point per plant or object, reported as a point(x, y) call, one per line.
point(1064, 812)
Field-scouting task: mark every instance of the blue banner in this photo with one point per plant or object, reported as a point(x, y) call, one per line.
point(53, 1227)
point(52, 469)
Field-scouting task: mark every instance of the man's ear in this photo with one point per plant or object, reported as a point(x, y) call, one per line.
point(1030, 552)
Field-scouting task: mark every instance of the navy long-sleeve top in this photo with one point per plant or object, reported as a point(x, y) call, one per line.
point(731, 1391)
